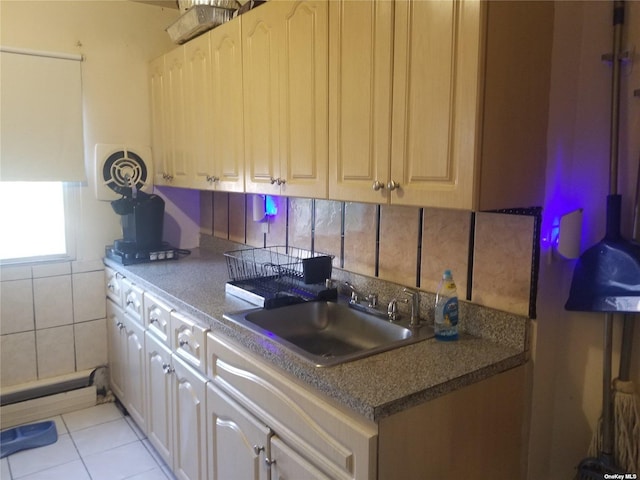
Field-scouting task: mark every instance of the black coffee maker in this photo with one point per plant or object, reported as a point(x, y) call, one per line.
point(142, 217)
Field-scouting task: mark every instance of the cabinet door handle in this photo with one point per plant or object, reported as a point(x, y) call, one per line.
point(257, 449)
point(212, 178)
point(153, 320)
point(120, 325)
point(393, 185)
point(182, 342)
point(167, 368)
point(378, 185)
point(269, 461)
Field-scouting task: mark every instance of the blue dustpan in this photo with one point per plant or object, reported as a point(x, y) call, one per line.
point(27, 436)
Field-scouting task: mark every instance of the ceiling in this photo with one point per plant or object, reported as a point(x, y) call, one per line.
point(160, 3)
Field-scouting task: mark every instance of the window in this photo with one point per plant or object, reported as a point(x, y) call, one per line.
point(36, 227)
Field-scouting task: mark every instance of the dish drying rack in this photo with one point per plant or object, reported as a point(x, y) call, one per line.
point(278, 275)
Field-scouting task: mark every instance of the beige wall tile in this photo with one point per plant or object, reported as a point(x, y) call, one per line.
point(55, 351)
point(88, 296)
point(328, 229)
point(502, 261)
point(81, 266)
point(237, 213)
point(18, 358)
point(51, 269)
point(445, 245)
point(221, 215)
point(16, 306)
point(15, 273)
point(399, 231)
point(360, 238)
point(91, 348)
point(300, 213)
point(53, 301)
point(206, 212)
point(255, 229)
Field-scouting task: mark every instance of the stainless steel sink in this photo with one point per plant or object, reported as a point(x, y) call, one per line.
point(328, 333)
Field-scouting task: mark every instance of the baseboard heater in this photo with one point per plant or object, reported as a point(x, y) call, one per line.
point(46, 398)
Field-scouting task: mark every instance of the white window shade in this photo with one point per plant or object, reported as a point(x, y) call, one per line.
point(41, 135)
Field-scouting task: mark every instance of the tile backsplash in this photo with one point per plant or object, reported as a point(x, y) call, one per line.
point(52, 320)
point(490, 254)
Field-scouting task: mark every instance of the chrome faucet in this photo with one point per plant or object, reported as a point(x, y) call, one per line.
point(415, 306)
point(357, 296)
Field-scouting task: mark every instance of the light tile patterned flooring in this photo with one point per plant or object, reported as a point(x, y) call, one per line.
point(98, 443)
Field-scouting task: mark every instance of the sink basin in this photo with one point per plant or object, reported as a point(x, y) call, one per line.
point(328, 333)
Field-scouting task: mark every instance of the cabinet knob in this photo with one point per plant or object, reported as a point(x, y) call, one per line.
point(378, 185)
point(167, 368)
point(153, 320)
point(257, 449)
point(120, 325)
point(393, 185)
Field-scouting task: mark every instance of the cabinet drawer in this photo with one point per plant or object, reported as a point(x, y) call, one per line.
point(341, 444)
point(157, 318)
point(132, 299)
point(188, 340)
point(113, 284)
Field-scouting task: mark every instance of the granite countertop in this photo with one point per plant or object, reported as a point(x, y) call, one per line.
point(374, 387)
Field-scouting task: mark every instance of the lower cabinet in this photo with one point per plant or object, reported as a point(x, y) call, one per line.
point(127, 362)
point(279, 428)
point(243, 448)
point(237, 441)
point(176, 409)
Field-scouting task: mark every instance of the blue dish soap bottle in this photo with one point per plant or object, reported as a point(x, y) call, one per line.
point(446, 311)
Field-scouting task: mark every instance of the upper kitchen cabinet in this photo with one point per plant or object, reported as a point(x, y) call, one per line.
point(168, 121)
point(196, 112)
point(460, 87)
point(361, 40)
point(215, 154)
point(226, 135)
point(285, 98)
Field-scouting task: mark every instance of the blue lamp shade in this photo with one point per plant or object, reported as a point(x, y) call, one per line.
point(607, 275)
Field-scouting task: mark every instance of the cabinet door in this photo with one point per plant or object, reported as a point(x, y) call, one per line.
point(226, 135)
point(117, 357)
point(435, 95)
point(159, 398)
point(198, 154)
point(237, 441)
point(157, 80)
point(289, 464)
point(176, 126)
point(303, 91)
point(360, 44)
point(260, 49)
point(135, 373)
point(189, 426)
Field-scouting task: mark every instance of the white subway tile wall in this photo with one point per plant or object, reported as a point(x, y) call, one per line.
point(52, 320)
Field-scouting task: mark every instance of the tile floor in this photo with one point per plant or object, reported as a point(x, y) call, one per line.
point(98, 443)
